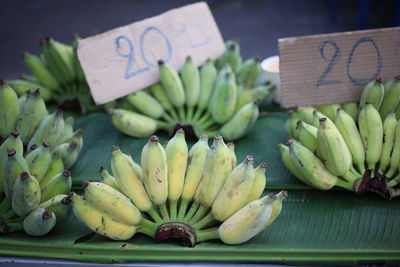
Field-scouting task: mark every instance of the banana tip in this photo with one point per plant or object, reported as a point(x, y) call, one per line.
point(34, 146)
point(14, 133)
point(154, 138)
point(47, 215)
point(85, 183)
point(102, 169)
point(289, 142)
point(263, 165)
point(249, 158)
point(11, 152)
point(114, 148)
point(46, 144)
point(66, 173)
point(24, 176)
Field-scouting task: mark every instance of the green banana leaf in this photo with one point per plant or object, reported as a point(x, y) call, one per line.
point(315, 227)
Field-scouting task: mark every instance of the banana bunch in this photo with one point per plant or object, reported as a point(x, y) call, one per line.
point(220, 97)
point(194, 195)
point(35, 153)
point(57, 74)
point(352, 145)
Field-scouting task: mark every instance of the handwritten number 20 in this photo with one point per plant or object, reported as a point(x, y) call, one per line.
point(336, 56)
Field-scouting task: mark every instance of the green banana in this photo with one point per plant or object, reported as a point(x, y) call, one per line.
point(29, 78)
point(291, 123)
point(223, 100)
point(305, 114)
point(9, 109)
point(352, 109)
point(22, 86)
point(231, 147)
point(373, 93)
point(13, 167)
point(191, 83)
point(26, 196)
point(158, 92)
point(208, 76)
point(58, 184)
point(146, 104)
point(56, 166)
point(39, 160)
point(172, 83)
point(68, 130)
point(22, 99)
point(391, 97)
point(285, 156)
point(395, 156)
point(108, 179)
point(389, 134)
point(59, 205)
point(77, 66)
point(39, 222)
point(259, 183)
point(77, 137)
point(249, 71)
point(307, 135)
point(58, 60)
point(371, 131)
point(329, 110)
point(231, 56)
point(39, 70)
point(317, 116)
point(12, 142)
point(69, 153)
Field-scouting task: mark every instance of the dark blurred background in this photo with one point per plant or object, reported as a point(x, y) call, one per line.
point(257, 23)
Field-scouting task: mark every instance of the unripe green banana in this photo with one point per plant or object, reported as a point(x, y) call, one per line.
point(307, 135)
point(391, 97)
point(352, 109)
point(373, 92)
point(317, 116)
point(32, 113)
point(259, 183)
point(191, 83)
point(332, 148)
point(68, 130)
point(39, 161)
point(231, 147)
point(26, 196)
point(329, 110)
point(22, 99)
point(177, 158)
point(100, 222)
point(395, 156)
point(12, 142)
point(371, 131)
point(208, 76)
point(231, 56)
point(13, 167)
point(111, 202)
point(38, 69)
point(389, 133)
point(9, 109)
point(172, 83)
point(159, 93)
point(285, 156)
point(247, 222)
point(223, 100)
point(28, 77)
point(60, 205)
point(241, 123)
point(217, 167)
point(305, 114)
point(56, 166)
point(235, 190)
point(155, 171)
point(128, 180)
point(108, 179)
point(146, 104)
point(261, 92)
point(349, 131)
point(244, 96)
point(69, 153)
point(77, 137)
point(58, 184)
point(249, 71)
point(39, 222)
point(291, 123)
point(50, 130)
point(21, 87)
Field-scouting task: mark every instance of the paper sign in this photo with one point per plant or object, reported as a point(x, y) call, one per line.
point(334, 68)
point(124, 59)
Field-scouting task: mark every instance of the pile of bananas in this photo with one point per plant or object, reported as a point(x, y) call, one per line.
point(219, 98)
point(36, 149)
point(194, 195)
point(58, 75)
point(355, 146)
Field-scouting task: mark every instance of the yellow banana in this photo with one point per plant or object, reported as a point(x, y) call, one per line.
point(285, 157)
point(258, 184)
point(231, 147)
point(108, 179)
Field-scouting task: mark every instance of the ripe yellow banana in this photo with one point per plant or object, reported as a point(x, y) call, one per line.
point(395, 156)
point(258, 184)
point(231, 147)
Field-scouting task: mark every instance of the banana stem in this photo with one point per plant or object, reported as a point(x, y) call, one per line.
point(154, 215)
point(189, 114)
point(147, 227)
point(345, 184)
point(182, 209)
point(204, 222)
point(192, 211)
point(173, 204)
point(167, 118)
point(5, 205)
point(205, 118)
point(182, 117)
point(207, 124)
point(173, 114)
point(11, 227)
point(394, 182)
point(8, 215)
point(199, 214)
point(206, 235)
point(197, 114)
point(164, 211)
point(164, 125)
point(391, 172)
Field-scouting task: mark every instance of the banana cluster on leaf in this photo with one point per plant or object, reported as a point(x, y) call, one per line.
point(58, 75)
point(194, 195)
point(35, 153)
point(352, 145)
point(218, 98)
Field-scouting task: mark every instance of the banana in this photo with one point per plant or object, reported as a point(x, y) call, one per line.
point(305, 114)
point(389, 133)
point(241, 122)
point(258, 184)
point(21, 87)
point(68, 130)
point(249, 71)
point(39, 70)
point(100, 222)
point(172, 83)
point(231, 56)
point(22, 99)
point(333, 149)
point(349, 131)
point(352, 109)
point(32, 113)
point(373, 93)
point(208, 76)
point(155, 171)
point(191, 83)
point(395, 156)
point(391, 97)
point(307, 135)
point(26, 196)
point(69, 153)
point(276, 207)
point(158, 92)
point(177, 157)
point(50, 129)
point(12, 142)
point(317, 116)
point(371, 131)
point(9, 109)
point(291, 123)
point(285, 156)
point(59, 205)
point(28, 77)
point(39, 222)
point(329, 110)
point(59, 60)
point(108, 179)
point(56, 166)
point(58, 184)
point(235, 190)
point(247, 222)
point(77, 137)
point(128, 180)
point(39, 160)
point(13, 167)
point(217, 167)
point(244, 96)
point(261, 92)
point(111, 202)
point(146, 104)
point(77, 66)
point(231, 147)
point(223, 100)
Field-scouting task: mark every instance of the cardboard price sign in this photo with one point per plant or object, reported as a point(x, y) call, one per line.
point(124, 59)
point(334, 68)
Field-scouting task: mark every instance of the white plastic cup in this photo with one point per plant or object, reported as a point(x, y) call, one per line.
point(270, 67)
